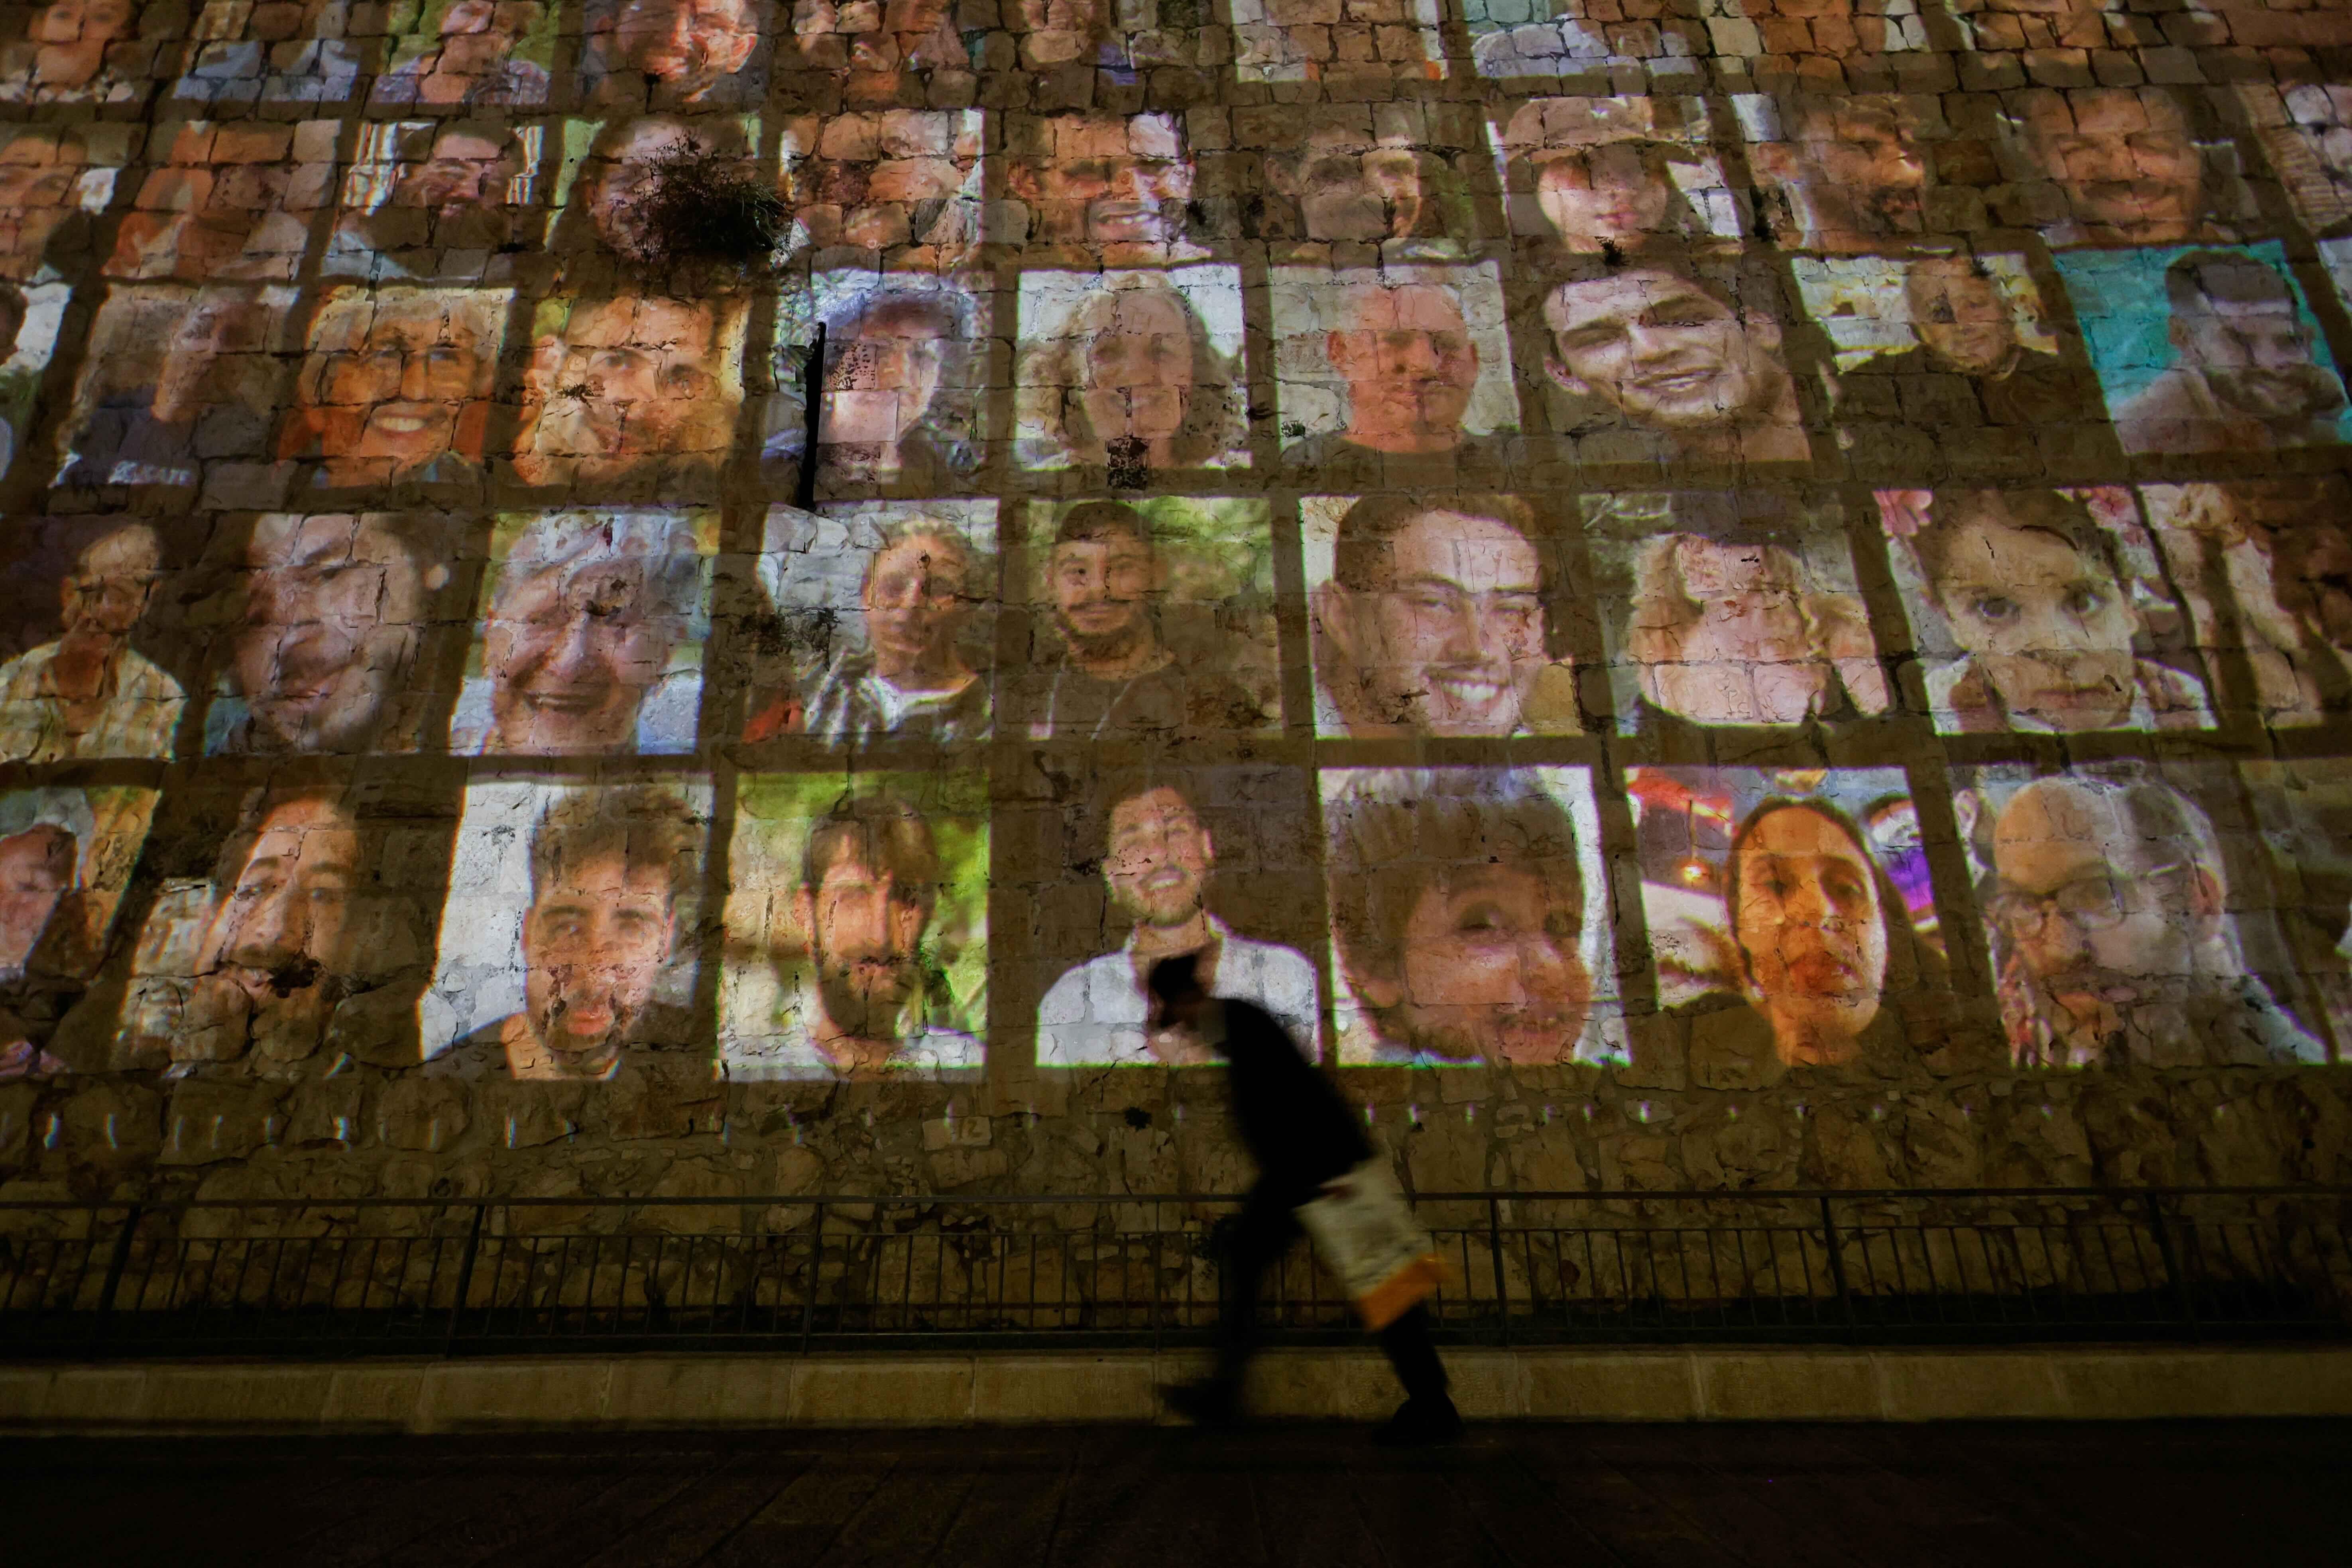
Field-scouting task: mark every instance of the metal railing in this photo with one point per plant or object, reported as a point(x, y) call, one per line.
point(319, 1278)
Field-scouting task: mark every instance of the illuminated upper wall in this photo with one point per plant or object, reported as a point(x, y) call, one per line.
point(1798, 549)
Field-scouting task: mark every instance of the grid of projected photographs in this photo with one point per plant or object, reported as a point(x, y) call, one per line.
point(775, 543)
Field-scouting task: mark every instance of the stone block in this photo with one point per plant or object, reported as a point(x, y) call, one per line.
point(1600, 1385)
point(1793, 1385)
point(1025, 1389)
point(716, 1390)
point(370, 1397)
point(1968, 1385)
point(515, 1393)
point(97, 1396)
point(1323, 1385)
point(24, 1394)
point(900, 1391)
point(238, 1395)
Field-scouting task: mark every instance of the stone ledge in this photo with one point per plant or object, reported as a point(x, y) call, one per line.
point(2087, 1383)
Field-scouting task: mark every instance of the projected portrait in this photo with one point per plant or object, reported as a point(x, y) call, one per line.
point(568, 941)
point(904, 373)
point(1405, 368)
point(82, 687)
point(858, 930)
point(1338, 40)
point(1729, 608)
point(2117, 166)
point(884, 53)
point(900, 187)
point(631, 397)
point(53, 180)
point(303, 942)
point(273, 51)
point(2266, 571)
point(88, 51)
point(2121, 925)
point(229, 201)
point(452, 200)
point(610, 195)
point(2206, 350)
point(1145, 855)
point(1131, 373)
point(1433, 614)
point(1792, 918)
point(1101, 190)
point(1852, 173)
point(66, 857)
point(1337, 181)
point(395, 387)
point(674, 54)
point(1150, 620)
point(1590, 45)
point(1051, 35)
point(1611, 174)
point(1676, 361)
point(592, 637)
point(1957, 347)
point(886, 614)
point(1468, 917)
point(332, 629)
point(177, 382)
point(29, 319)
point(2306, 838)
point(471, 54)
point(2041, 610)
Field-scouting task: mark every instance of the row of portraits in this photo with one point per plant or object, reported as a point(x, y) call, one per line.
point(1836, 174)
point(2179, 916)
point(1401, 375)
point(460, 53)
point(587, 634)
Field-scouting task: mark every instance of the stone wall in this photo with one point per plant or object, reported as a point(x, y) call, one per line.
point(1729, 594)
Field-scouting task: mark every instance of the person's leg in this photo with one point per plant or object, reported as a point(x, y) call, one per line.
point(1415, 1356)
point(1427, 1416)
point(1260, 1233)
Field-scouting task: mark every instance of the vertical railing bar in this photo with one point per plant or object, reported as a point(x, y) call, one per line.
point(1837, 1263)
point(808, 1293)
point(1495, 1247)
point(2172, 1265)
point(464, 1278)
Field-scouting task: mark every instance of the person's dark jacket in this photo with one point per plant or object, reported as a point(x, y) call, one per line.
point(1289, 1116)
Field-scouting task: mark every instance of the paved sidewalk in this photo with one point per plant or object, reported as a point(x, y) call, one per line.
point(1989, 1496)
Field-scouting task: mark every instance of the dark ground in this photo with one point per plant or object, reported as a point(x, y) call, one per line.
point(1993, 1496)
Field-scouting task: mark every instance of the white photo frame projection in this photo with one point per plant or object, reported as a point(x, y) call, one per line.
point(1389, 654)
point(1134, 371)
point(1730, 608)
point(1469, 919)
point(1591, 172)
point(2133, 912)
point(886, 612)
point(904, 387)
point(1315, 309)
point(592, 635)
point(1986, 574)
point(899, 186)
point(569, 937)
point(1158, 860)
point(858, 930)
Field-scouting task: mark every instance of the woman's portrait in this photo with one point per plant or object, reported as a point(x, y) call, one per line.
point(1138, 375)
point(1730, 609)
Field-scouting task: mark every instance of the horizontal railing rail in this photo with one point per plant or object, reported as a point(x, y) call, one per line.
point(319, 1277)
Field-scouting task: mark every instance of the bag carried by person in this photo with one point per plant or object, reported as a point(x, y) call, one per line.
point(1366, 1235)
